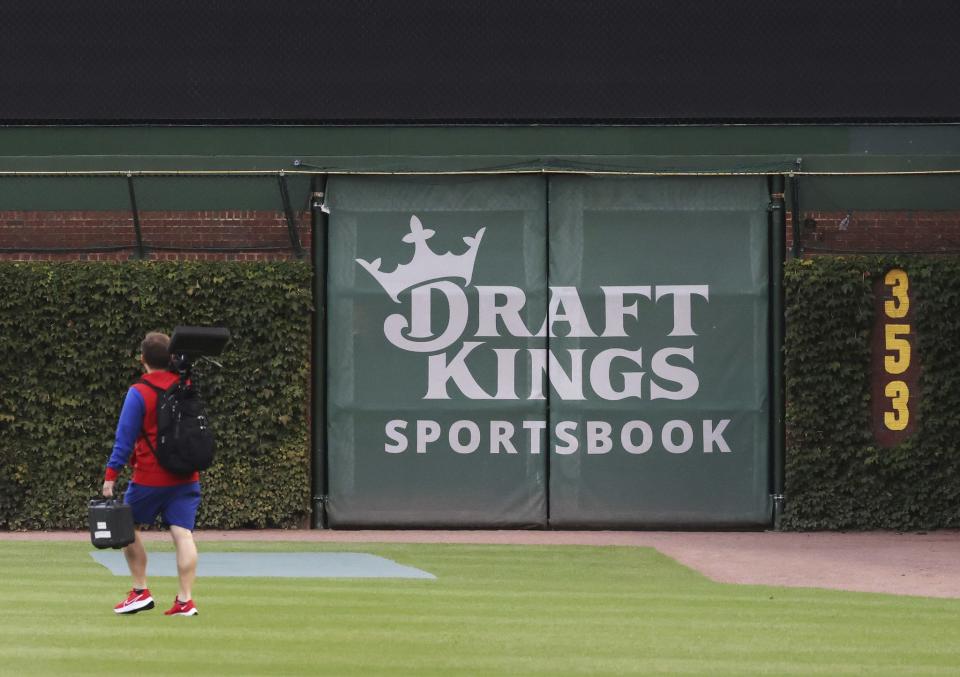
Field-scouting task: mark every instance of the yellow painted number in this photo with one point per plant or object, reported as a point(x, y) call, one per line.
point(899, 394)
point(900, 304)
point(899, 363)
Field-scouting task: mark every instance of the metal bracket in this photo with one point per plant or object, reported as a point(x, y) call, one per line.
point(318, 202)
point(320, 511)
point(779, 500)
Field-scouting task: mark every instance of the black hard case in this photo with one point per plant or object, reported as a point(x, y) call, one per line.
point(111, 524)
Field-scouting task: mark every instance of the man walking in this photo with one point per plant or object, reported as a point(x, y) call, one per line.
point(153, 491)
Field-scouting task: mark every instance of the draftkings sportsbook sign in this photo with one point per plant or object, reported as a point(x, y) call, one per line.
point(595, 356)
point(438, 322)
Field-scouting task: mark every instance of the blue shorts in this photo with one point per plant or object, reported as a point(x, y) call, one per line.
point(177, 504)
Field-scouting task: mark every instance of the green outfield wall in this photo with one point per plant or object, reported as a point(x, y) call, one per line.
point(520, 326)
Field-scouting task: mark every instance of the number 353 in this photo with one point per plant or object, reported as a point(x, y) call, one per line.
point(897, 346)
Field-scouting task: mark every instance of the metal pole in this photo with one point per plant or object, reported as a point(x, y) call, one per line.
point(777, 325)
point(288, 214)
point(797, 217)
point(140, 252)
point(546, 344)
point(319, 222)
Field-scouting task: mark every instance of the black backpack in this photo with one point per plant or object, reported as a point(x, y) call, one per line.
point(185, 442)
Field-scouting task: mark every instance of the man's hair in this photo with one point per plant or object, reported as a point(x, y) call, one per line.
point(155, 349)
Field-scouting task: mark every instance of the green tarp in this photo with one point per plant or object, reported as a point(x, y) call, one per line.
point(407, 472)
point(676, 269)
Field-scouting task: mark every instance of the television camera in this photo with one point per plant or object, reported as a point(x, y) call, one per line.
point(190, 344)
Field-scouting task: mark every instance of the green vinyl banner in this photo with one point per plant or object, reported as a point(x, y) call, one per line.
point(432, 282)
point(531, 351)
point(658, 344)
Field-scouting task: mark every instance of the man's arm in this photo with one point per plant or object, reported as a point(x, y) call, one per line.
point(128, 430)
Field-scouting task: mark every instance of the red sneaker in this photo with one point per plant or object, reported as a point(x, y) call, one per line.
point(135, 601)
point(181, 608)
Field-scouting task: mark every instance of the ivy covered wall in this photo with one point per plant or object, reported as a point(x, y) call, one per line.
point(69, 340)
point(838, 477)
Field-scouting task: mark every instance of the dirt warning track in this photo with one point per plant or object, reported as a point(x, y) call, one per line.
point(925, 564)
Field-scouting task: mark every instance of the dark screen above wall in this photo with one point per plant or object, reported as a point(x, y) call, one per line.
point(478, 61)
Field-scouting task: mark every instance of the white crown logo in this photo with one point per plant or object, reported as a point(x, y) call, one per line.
point(425, 264)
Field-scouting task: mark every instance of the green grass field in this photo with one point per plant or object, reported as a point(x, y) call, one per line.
point(492, 610)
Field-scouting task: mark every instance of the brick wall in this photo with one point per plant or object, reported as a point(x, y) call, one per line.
point(866, 231)
point(263, 235)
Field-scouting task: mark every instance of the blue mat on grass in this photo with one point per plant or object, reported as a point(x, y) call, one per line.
point(270, 565)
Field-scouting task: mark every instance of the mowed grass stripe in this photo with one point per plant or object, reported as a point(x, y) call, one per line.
point(493, 610)
point(410, 661)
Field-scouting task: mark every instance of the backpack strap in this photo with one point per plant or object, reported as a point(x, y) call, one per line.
point(146, 438)
point(143, 433)
point(157, 389)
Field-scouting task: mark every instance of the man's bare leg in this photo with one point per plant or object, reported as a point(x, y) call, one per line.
point(186, 561)
point(136, 556)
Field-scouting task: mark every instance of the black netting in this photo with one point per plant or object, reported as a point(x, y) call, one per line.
point(460, 60)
